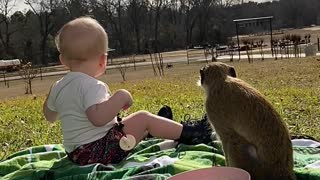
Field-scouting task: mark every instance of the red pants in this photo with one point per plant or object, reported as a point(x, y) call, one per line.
point(105, 150)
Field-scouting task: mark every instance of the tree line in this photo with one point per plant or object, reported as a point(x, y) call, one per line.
point(140, 26)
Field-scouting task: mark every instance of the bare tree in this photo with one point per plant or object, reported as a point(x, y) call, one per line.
point(5, 34)
point(227, 3)
point(260, 46)
point(231, 46)
point(213, 54)
point(28, 73)
point(282, 47)
point(76, 8)
point(204, 7)
point(153, 65)
point(247, 44)
point(6, 82)
point(136, 12)
point(157, 63)
point(110, 12)
point(295, 38)
point(174, 20)
point(206, 52)
point(276, 47)
point(287, 41)
point(43, 9)
point(188, 7)
point(132, 59)
point(197, 12)
point(157, 6)
point(122, 67)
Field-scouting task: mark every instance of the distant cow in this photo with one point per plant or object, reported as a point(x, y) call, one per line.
point(168, 66)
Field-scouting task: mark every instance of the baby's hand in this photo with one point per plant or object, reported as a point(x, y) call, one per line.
point(126, 97)
point(128, 104)
point(125, 107)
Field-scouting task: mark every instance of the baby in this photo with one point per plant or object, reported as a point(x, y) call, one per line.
point(87, 109)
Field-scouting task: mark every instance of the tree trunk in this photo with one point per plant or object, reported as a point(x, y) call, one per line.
point(190, 33)
point(187, 29)
point(137, 32)
point(7, 46)
point(157, 19)
point(26, 85)
point(43, 47)
point(202, 29)
point(5, 41)
point(30, 86)
point(120, 28)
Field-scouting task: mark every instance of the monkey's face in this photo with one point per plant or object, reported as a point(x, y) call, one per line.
point(214, 73)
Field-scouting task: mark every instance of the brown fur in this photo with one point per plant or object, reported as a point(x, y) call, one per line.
point(253, 135)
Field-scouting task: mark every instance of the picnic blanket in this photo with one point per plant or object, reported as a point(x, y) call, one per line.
point(151, 159)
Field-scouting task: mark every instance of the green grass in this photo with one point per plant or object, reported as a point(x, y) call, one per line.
point(292, 86)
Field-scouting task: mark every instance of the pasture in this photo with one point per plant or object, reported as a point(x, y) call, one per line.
point(291, 85)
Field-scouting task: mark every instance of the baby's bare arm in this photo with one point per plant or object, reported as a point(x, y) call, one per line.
point(50, 116)
point(101, 114)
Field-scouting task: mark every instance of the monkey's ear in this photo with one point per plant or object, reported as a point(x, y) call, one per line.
point(201, 75)
point(202, 72)
point(232, 72)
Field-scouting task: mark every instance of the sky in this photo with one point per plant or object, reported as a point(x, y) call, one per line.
point(21, 6)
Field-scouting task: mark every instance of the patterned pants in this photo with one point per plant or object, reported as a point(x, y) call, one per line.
point(105, 150)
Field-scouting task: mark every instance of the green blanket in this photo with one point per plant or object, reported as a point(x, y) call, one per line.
point(152, 159)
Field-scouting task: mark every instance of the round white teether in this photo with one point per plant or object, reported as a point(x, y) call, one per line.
point(127, 142)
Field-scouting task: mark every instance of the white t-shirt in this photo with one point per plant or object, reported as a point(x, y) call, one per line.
point(70, 97)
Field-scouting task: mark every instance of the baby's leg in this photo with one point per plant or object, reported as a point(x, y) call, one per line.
point(138, 123)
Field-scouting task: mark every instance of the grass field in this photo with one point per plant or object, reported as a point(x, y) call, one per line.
point(292, 86)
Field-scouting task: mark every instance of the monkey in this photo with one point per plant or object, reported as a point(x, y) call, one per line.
point(253, 136)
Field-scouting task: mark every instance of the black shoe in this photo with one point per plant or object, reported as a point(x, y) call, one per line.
point(166, 112)
point(196, 131)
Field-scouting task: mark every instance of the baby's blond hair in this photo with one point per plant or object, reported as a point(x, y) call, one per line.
point(81, 39)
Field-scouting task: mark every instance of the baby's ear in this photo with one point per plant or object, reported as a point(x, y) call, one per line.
point(62, 60)
point(103, 59)
point(232, 72)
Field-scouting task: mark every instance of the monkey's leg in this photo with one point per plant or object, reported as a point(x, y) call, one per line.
point(243, 155)
point(229, 144)
point(277, 158)
point(275, 173)
point(225, 147)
